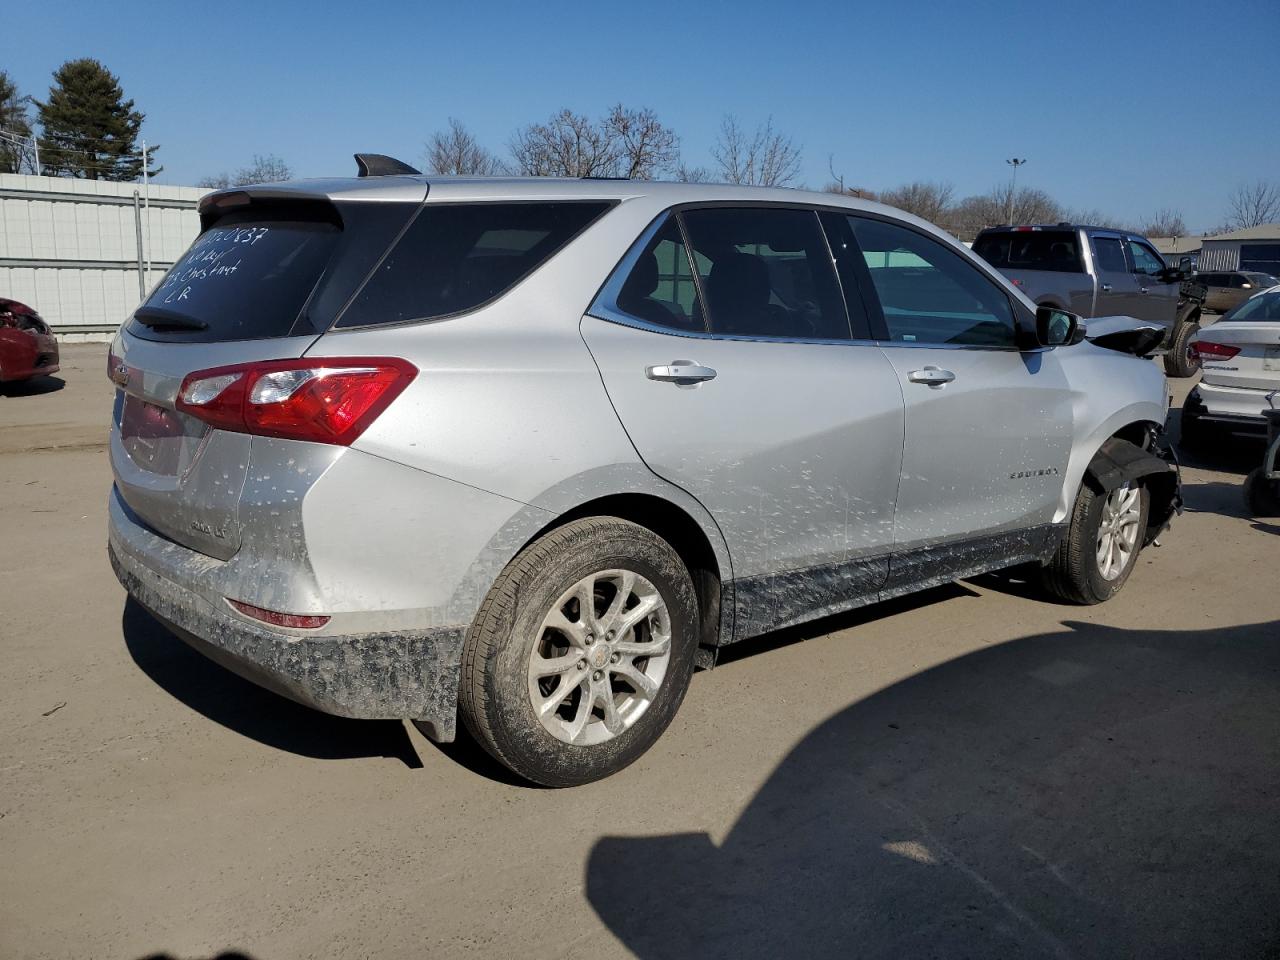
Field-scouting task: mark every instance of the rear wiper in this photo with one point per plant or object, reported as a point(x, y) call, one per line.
point(159, 317)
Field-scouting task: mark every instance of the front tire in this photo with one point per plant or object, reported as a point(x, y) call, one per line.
point(581, 653)
point(1102, 544)
point(1179, 361)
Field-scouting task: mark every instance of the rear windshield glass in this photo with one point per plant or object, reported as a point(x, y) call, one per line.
point(456, 257)
point(1054, 250)
point(242, 279)
point(1265, 306)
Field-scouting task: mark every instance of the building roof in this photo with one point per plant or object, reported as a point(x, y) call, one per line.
point(1178, 245)
point(1263, 231)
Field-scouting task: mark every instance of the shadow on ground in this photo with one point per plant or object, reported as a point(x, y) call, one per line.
point(1092, 793)
point(35, 387)
point(249, 710)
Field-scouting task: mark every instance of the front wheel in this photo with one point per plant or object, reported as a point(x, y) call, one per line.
point(1179, 361)
point(581, 653)
point(1102, 544)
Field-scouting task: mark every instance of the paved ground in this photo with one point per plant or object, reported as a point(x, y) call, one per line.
point(972, 772)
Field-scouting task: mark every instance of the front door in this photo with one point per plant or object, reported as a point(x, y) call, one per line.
point(737, 380)
point(988, 428)
point(1157, 299)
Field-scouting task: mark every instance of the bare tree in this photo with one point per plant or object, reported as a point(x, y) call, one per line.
point(1164, 223)
point(456, 152)
point(1094, 217)
point(264, 169)
point(927, 200)
point(692, 174)
point(219, 181)
point(646, 146)
point(1252, 205)
point(567, 145)
point(860, 193)
point(766, 158)
point(17, 154)
point(973, 214)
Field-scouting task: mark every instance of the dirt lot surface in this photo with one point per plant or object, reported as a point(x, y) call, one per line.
point(970, 772)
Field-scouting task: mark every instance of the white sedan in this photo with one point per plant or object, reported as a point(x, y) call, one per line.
point(1240, 360)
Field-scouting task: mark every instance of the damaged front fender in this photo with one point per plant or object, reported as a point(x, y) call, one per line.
point(1156, 467)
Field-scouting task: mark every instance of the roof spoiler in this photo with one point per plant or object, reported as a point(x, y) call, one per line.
point(380, 165)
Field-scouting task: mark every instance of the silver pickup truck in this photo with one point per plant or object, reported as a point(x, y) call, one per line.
point(1096, 272)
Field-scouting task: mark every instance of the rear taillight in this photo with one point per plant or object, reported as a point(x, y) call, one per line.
point(323, 400)
point(1208, 350)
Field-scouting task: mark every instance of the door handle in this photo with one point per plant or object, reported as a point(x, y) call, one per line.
point(1105, 288)
point(931, 376)
point(1142, 289)
point(680, 372)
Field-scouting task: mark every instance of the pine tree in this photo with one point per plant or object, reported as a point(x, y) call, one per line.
point(89, 130)
point(16, 155)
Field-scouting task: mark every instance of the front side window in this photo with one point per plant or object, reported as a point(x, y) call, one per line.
point(456, 257)
point(1109, 254)
point(766, 272)
point(1144, 260)
point(928, 292)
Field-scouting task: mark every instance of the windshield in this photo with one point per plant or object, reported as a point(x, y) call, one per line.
point(1265, 306)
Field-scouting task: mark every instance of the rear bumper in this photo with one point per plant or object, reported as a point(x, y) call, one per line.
point(25, 355)
point(402, 674)
point(1238, 408)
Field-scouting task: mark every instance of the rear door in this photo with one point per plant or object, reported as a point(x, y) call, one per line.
point(1157, 300)
point(725, 347)
point(988, 428)
point(259, 283)
point(1117, 286)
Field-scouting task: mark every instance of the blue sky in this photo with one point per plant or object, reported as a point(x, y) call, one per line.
point(1126, 107)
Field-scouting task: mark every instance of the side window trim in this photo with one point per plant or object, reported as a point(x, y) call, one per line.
point(875, 309)
point(872, 326)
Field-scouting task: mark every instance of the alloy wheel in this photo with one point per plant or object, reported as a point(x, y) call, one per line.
point(1118, 530)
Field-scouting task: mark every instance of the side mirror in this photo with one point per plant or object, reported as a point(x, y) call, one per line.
point(1172, 274)
point(1056, 328)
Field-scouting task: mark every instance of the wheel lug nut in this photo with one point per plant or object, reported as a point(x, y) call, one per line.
point(597, 676)
point(615, 657)
point(582, 664)
point(590, 639)
point(610, 635)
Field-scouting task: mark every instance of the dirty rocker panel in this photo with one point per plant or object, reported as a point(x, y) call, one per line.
point(773, 601)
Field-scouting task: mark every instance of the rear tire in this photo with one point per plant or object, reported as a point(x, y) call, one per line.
point(1077, 573)
point(563, 695)
point(1261, 496)
point(1178, 361)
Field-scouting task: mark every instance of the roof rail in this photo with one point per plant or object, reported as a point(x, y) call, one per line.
point(380, 165)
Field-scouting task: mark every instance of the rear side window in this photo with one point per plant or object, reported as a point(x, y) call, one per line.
point(766, 272)
point(928, 292)
point(660, 287)
point(456, 257)
point(1109, 253)
point(1055, 250)
point(242, 279)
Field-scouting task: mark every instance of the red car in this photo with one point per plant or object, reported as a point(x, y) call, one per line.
point(27, 346)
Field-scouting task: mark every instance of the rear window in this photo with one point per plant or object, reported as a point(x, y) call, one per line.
point(1264, 306)
point(456, 257)
point(1053, 250)
point(242, 279)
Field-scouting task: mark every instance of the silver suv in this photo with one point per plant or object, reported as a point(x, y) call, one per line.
point(529, 451)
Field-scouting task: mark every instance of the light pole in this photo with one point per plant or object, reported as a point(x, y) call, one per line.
point(1013, 187)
